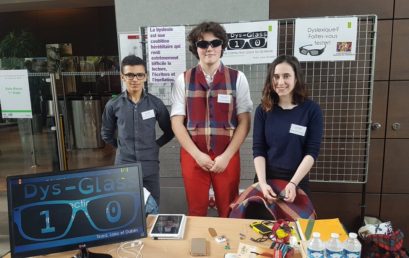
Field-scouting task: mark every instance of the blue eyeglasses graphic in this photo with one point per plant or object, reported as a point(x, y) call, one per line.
point(50, 220)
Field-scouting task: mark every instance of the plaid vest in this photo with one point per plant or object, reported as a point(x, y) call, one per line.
point(211, 116)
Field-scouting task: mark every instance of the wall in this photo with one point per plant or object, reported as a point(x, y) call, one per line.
point(387, 191)
point(130, 14)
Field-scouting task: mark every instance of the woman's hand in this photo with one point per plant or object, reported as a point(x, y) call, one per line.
point(290, 192)
point(268, 192)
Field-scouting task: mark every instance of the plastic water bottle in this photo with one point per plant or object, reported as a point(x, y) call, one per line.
point(334, 248)
point(352, 247)
point(315, 248)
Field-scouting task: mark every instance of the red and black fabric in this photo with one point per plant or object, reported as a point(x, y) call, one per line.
point(379, 245)
point(251, 204)
point(209, 121)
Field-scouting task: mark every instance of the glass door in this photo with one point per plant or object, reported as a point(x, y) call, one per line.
point(83, 88)
point(28, 145)
point(64, 131)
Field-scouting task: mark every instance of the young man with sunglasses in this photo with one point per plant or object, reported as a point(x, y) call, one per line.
point(134, 114)
point(210, 117)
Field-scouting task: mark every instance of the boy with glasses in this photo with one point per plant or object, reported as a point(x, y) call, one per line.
point(134, 114)
point(210, 116)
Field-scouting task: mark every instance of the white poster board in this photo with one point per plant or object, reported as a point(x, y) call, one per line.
point(15, 94)
point(166, 52)
point(130, 44)
point(251, 43)
point(325, 39)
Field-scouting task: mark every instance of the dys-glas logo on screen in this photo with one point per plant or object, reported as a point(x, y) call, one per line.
point(102, 201)
point(54, 219)
point(247, 40)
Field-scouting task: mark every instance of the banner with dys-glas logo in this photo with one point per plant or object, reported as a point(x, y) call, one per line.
point(251, 43)
point(325, 39)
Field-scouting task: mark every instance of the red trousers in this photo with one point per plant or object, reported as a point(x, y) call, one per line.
point(197, 184)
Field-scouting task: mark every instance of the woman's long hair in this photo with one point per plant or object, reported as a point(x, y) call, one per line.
point(270, 97)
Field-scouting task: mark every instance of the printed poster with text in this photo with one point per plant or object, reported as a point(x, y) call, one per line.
point(251, 43)
point(325, 39)
point(167, 53)
point(130, 44)
point(15, 94)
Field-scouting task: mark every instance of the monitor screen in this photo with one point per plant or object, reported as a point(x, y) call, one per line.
point(58, 211)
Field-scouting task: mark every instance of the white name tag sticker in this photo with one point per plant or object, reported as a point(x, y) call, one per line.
point(298, 129)
point(224, 98)
point(148, 114)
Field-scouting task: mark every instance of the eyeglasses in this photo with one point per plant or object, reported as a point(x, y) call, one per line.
point(312, 52)
point(251, 43)
point(131, 76)
point(205, 44)
point(50, 220)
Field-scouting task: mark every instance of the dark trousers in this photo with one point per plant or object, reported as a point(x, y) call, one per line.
point(150, 170)
point(150, 176)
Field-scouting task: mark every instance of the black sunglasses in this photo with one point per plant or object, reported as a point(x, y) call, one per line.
point(312, 52)
point(205, 44)
point(131, 76)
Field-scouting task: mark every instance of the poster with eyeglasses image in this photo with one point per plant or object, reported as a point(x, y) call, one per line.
point(325, 39)
point(251, 42)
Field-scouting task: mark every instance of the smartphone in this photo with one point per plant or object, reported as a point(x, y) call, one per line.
point(281, 196)
point(261, 228)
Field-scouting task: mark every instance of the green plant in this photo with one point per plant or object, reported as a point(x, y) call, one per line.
point(18, 45)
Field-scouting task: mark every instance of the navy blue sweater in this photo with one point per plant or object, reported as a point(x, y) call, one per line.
point(285, 137)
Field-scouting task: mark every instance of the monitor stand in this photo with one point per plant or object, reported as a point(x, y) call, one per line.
point(84, 253)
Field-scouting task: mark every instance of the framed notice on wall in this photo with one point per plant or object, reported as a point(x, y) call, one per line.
point(325, 39)
point(15, 94)
point(251, 42)
point(166, 52)
point(130, 43)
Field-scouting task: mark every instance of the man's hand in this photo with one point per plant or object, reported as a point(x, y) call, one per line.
point(204, 161)
point(220, 164)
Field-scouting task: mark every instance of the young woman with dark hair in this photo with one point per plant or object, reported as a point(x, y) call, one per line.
point(287, 131)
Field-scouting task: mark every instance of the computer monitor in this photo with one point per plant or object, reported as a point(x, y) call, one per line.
point(58, 211)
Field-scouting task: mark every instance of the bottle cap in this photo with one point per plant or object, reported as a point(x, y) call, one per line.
point(334, 235)
point(316, 234)
point(353, 235)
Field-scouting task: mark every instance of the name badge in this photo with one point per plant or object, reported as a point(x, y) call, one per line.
point(224, 98)
point(148, 114)
point(298, 129)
